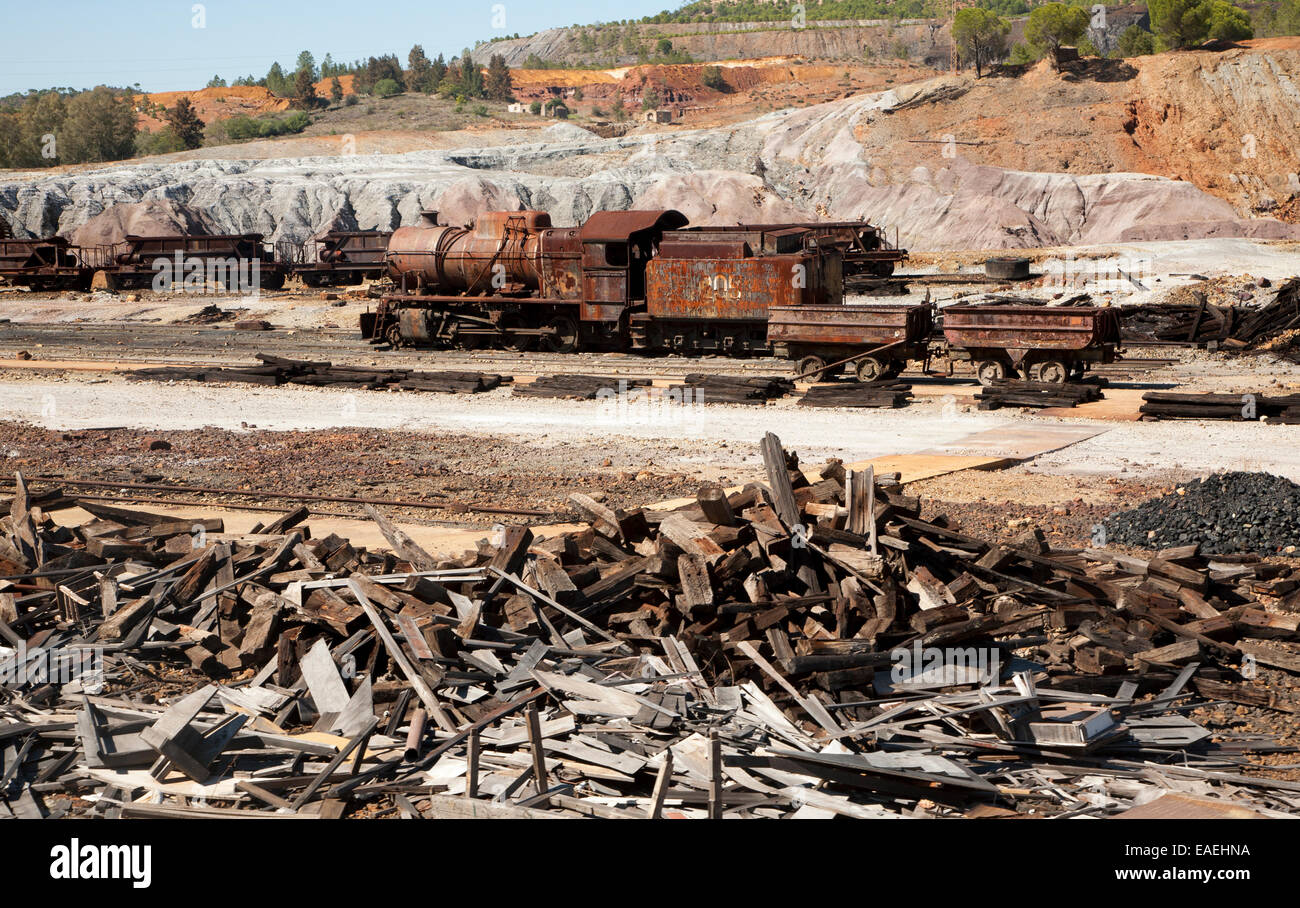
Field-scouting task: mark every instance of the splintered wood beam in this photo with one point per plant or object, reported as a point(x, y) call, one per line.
point(715, 775)
point(359, 740)
point(535, 742)
point(412, 673)
point(778, 478)
point(814, 709)
point(662, 781)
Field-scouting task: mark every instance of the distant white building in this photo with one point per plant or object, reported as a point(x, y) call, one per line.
point(516, 108)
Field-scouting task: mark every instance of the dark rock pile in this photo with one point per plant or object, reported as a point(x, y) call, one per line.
point(1226, 512)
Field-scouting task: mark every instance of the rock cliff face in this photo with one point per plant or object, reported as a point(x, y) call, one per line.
point(950, 163)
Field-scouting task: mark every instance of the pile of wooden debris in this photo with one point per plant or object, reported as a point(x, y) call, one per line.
point(808, 646)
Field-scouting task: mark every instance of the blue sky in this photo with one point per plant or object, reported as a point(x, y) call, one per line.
point(155, 42)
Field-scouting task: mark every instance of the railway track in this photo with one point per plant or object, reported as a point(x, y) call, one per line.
point(186, 345)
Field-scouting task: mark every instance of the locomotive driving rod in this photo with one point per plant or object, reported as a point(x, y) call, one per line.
point(850, 359)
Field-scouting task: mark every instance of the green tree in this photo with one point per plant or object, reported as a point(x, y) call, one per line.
point(100, 126)
point(419, 71)
point(650, 98)
point(308, 63)
point(1228, 23)
point(185, 123)
point(499, 85)
point(387, 88)
point(43, 116)
point(712, 77)
point(216, 82)
point(276, 82)
point(1022, 53)
point(1054, 24)
point(164, 141)
point(304, 88)
point(10, 137)
point(1136, 41)
point(1178, 23)
point(1272, 21)
point(664, 47)
point(471, 76)
point(535, 108)
point(981, 36)
point(1185, 23)
point(336, 89)
point(438, 69)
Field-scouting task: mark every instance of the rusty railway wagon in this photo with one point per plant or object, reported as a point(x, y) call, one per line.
point(1042, 343)
point(344, 257)
point(1048, 344)
point(877, 341)
point(49, 263)
point(623, 280)
point(232, 260)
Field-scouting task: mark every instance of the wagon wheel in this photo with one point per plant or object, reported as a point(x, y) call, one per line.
point(272, 279)
point(393, 334)
point(870, 369)
point(811, 368)
point(1053, 372)
point(563, 337)
point(990, 370)
point(893, 369)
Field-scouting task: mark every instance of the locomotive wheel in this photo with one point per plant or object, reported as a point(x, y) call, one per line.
point(564, 336)
point(1053, 372)
point(991, 370)
point(271, 280)
point(811, 368)
point(393, 335)
point(515, 343)
point(870, 369)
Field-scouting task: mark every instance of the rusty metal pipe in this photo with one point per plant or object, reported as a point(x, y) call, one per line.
point(415, 735)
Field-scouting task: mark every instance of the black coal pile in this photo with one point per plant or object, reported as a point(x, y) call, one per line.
point(1224, 513)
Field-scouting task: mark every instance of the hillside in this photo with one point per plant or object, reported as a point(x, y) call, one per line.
point(214, 104)
point(922, 40)
point(1113, 151)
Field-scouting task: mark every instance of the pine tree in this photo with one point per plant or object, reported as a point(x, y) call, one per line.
point(185, 122)
point(304, 88)
point(419, 72)
point(499, 85)
point(336, 90)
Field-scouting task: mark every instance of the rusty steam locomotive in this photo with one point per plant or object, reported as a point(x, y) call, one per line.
point(645, 281)
point(634, 280)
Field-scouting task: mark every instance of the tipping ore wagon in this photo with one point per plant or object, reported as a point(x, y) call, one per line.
point(43, 264)
point(1048, 344)
point(876, 341)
